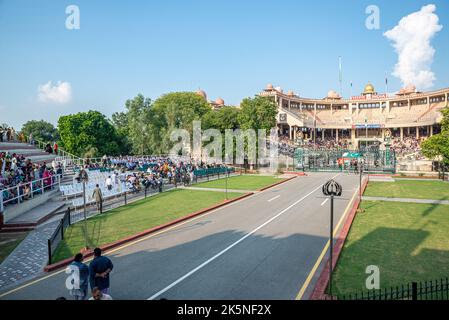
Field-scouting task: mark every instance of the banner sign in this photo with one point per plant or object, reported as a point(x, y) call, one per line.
point(368, 125)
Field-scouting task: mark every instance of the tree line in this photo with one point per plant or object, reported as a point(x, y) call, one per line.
point(144, 126)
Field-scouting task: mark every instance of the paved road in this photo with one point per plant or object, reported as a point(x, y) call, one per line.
point(261, 247)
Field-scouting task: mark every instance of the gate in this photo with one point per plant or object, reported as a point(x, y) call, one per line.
point(374, 160)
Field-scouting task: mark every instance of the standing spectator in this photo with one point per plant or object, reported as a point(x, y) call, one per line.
point(83, 272)
point(99, 270)
point(98, 295)
point(55, 147)
point(98, 196)
point(109, 183)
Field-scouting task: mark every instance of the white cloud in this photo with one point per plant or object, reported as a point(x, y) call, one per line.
point(411, 40)
point(60, 93)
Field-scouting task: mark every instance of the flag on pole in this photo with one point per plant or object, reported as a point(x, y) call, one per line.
point(339, 68)
point(340, 76)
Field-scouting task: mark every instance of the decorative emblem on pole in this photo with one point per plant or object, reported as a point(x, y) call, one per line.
point(332, 188)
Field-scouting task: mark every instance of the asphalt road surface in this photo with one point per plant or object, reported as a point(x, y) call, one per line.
point(267, 246)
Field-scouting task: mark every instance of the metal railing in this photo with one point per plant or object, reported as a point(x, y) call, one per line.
point(425, 290)
point(58, 234)
point(19, 195)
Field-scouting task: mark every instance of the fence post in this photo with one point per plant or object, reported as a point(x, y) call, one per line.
point(125, 199)
point(1, 202)
point(414, 291)
point(49, 251)
point(70, 216)
point(62, 229)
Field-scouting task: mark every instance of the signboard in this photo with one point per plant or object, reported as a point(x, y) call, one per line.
point(370, 97)
point(282, 117)
point(368, 125)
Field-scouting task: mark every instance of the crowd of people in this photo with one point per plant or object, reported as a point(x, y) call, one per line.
point(326, 143)
point(28, 178)
point(7, 133)
point(139, 173)
point(408, 146)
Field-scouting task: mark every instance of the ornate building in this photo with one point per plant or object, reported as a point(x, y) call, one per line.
point(367, 118)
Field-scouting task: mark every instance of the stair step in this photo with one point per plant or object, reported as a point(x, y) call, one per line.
point(6, 229)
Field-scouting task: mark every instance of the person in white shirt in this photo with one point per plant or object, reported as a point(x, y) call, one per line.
point(109, 183)
point(98, 295)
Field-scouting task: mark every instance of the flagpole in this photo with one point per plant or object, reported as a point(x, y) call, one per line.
point(340, 76)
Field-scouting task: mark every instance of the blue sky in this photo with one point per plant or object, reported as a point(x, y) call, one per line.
point(230, 49)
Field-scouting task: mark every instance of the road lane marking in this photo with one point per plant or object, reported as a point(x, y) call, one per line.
point(274, 198)
point(179, 280)
point(55, 273)
point(321, 256)
point(322, 203)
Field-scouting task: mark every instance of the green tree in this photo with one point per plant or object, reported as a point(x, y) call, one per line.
point(438, 145)
point(172, 111)
point(221, 119)
point(41, 130)
point(120, 123)
point(135, 123)
point(257, 113)
point(88, 133)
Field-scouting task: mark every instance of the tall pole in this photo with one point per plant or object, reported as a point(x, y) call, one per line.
point(340, 77)
point(360, 181)
point(226, 183)
point(331, 245)
point(85, 214)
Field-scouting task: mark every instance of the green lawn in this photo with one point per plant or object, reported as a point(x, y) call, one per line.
point(243, 182)
point(437, 190)
point(407, 241)
point(136, 217)
point(8, 242)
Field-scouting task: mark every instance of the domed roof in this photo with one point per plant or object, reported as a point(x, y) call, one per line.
point(269, 86)
point(369, 88)
point(332, 94)
point(290, 93)
point(410, 88)
point(201, 93)
point(279, 89)
point(219, 101)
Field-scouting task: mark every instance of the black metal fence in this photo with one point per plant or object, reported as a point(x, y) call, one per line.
point(58, 234)
point(426, 290)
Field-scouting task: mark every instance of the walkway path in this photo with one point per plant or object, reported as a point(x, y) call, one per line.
point(429, 201)
point(28, 258)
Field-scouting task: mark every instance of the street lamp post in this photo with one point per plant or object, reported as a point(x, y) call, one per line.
point(332, 189)
point(366, 133)
point(226, 182)
point(84, 178)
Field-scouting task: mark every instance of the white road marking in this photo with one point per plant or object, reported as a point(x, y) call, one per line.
point(322, 203)
point(233, 245)
point(274, 198)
